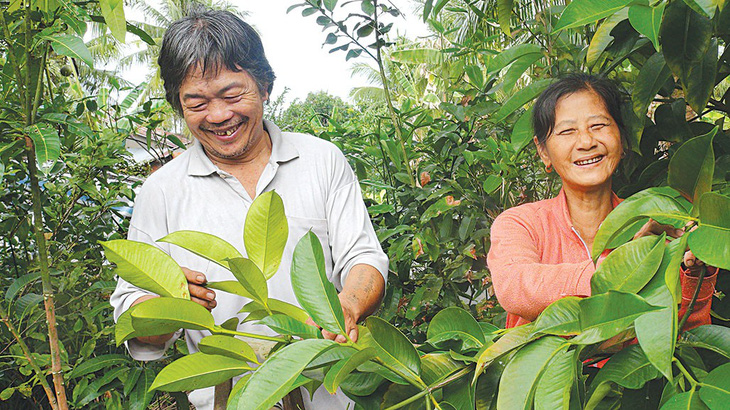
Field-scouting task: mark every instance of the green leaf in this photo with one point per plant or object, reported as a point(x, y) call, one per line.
point(330, 4)
point(71, 46)
point(621, 224)
point(278, 306)
point(251, 278)
point(159, 314)
point(517, 69)
point(685, 401)
point(504, 58)
point(604, 316)
point(582, 12)
point(699, 81)
point(198, 370)
point(265, 232)
point(142, 395)
point(18, 284)
point(97, 363)
point(706, 7)
point(521, 98)
point(692, 167)
point(715, 391)
point(392, 347)
point(227, 346)
point(657, 331)
point(711, 337)
point(653, 74)
point(96, 388)
point(522, 132)
point(629, 267)
point(313, 290)
point(504, 14)
point(113, 12)
point(647, 20)
point(492, 183)
point(436, 366)
point(553, 388)
point(344, 367)
point(519, 380)
point(512, 339)
point(418, 56)
point(204, 245)
point(628, 368)
point(454, 320)
point(286, 325)
point(602, 38)
point(439, 207)
point(148, 267)
point(143, 35)
point(560, 318)
point(45, 141)
point(709, 242)
point(276, 376)
point(231, 286)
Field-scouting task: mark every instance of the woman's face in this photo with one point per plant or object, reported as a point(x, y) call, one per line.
point(584, 147)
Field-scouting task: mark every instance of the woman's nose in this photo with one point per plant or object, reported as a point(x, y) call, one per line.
point(585, 140)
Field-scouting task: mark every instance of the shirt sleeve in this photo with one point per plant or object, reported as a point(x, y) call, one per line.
point(148, 223)
point(524, 286)
point(351, 234)
point(701, 311)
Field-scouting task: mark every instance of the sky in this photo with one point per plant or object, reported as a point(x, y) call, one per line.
point(293, 46)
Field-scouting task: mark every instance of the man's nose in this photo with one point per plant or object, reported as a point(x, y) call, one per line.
point(218, 112)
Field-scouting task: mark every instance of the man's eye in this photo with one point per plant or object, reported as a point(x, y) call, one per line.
point(233, 97)
point(196, 107)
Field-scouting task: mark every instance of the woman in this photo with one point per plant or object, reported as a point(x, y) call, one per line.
point(540, 251)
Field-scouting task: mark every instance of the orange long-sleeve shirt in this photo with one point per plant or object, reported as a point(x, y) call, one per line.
point(536, 257)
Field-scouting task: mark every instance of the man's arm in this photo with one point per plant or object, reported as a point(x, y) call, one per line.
point(360, 297)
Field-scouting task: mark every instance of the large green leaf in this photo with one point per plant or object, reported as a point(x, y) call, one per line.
point(553, 388)
point(46, 142)
point(435, 366)
point(275, 378)
point(286, 325)
point(602, 37)
point(232, 286)
point(142, 395)
point(709, 242)
point(418, 56)
point(673, 255)
point(251, 278)
point(522, 132)
point(646, 20)
point(711, 337)
point(504, 58)
point(521, 98)
point(344, 367)
point(692, 167)
point(629, 267)
point(456, 322)
point(229, 346)
point(519, 380)
point(628, 368)
point(560, 318)
point(124, 331)
point(313, 290)
point(160, 314)
point(504, 15)
point(604, 316)
point(265, 232)
point(198, 370)
point(71, 46)
point(113, 12)
point(657, 331)
point(512, 339)
point(96, 387)
point(699, 81)
point(147, 267)
point(652, 75)
point(97, 363)
point(621, 224)
point(715, 391)
point(204, 245)
point(582, 12)
point(685, 401)
point(517, 70)
point(393, 348)
point(277, 306)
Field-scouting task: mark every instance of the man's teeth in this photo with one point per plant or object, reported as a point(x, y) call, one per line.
point(589, 161)
point(225, 133)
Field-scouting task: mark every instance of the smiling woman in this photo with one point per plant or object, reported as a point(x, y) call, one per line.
point(540, 252)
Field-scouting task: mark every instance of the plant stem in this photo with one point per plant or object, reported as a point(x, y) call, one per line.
point(691, 305)
point(684, 371)
point(429, 390)
point(26, 352)
point(218, 329)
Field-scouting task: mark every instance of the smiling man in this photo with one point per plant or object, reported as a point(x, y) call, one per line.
point(217, 77)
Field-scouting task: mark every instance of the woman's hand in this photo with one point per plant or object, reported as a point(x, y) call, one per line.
point(655, 228)
point(694, 266)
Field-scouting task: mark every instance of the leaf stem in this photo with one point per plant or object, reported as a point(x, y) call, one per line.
point(430, 389)
point(686, 373)
point(691, 305)
point(220, 330)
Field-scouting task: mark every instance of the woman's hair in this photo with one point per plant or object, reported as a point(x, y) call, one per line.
point(543, 113)
point(210, 40)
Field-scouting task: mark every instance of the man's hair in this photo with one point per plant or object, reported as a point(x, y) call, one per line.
point(543, 113)
point(210, 40)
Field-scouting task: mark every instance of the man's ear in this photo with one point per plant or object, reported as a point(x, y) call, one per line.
point(542, 152)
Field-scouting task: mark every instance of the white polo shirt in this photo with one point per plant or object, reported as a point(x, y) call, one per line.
point(319, 190)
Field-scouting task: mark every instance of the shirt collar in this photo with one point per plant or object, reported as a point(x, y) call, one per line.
point(281, 151)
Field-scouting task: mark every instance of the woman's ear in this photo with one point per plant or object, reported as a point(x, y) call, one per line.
point(542, 152)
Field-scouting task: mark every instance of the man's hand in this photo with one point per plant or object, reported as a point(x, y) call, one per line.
point(198, 293)
point(351, 319)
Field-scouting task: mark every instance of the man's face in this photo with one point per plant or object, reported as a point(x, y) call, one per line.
point(224, 111)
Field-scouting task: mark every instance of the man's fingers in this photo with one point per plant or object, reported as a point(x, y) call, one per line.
point(204, 303)
point(201, 293)
point(194, 277)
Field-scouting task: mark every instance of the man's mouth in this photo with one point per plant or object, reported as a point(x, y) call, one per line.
point(589, 161)
point(226, 132)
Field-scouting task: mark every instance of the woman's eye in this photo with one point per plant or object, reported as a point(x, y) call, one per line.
point(598, 126)
point(566, 131)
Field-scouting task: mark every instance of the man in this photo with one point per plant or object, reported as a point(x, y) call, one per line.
point(217, 77)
